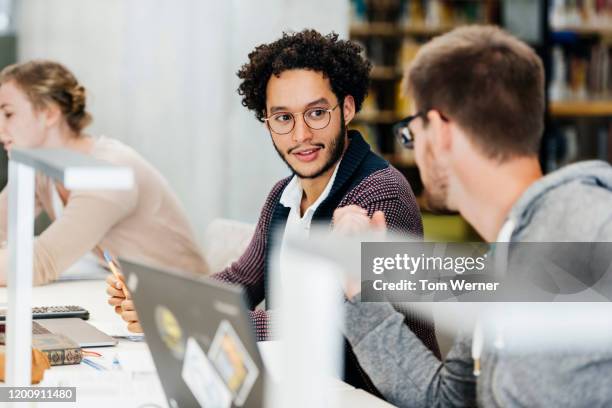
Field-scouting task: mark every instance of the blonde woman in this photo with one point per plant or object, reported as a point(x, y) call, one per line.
point(43, 105)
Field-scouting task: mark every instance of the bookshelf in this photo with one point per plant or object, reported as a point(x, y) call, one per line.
point(581, 108)
point(575, 43)
point(384, 29)
point(386, 73)
point(603, 30)
point(580, 83)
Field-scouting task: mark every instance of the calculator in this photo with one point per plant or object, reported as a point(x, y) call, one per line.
point(52, 312)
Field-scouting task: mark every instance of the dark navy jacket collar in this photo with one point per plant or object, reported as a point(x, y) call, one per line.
point(356, 152)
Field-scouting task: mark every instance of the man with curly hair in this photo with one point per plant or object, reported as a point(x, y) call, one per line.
point(306, 88)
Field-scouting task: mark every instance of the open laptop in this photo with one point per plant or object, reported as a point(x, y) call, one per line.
point(199, 333)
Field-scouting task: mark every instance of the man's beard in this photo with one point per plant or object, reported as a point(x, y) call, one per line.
point(435, 200)
point(435, 191)
point(336, 149)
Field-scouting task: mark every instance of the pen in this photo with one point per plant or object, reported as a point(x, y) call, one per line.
point(134, 338)
point(113, 269)
point(93, 364)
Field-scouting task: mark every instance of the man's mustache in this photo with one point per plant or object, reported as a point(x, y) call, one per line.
point(321, 145)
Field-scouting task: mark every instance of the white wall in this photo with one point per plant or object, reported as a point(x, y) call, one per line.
point(161, 77)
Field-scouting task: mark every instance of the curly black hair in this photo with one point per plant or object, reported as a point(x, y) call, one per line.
point(339, 60)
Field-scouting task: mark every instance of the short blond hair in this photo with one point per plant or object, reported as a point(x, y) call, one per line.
point(489, 82)
point(47, 82)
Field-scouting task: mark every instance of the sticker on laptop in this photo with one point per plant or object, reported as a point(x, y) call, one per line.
point(233, 362)
point(202, 380)
point(132, 282)
point(169, 331)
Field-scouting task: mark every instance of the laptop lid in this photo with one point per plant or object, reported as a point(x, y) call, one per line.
point(200, 336)
point(79, 331)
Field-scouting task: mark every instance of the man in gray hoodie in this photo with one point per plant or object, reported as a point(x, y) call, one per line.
point(478, 117)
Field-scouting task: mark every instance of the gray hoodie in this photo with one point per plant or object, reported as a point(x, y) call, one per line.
point(573, 204)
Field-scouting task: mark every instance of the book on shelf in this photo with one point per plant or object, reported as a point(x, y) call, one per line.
point(568, 144)
point(59, 349)
point(581, 74)
point(599, 79)
point(358, 10)
point(431, 14)
point(572, 14)
point(403, 104)
point(407, 52)
point(441, 13)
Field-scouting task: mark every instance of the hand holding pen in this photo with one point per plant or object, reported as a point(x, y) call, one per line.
point(119, 283)
point(120, 296)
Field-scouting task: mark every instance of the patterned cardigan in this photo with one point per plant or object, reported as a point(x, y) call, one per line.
point(363, 179)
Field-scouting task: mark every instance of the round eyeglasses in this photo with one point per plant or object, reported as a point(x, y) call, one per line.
point(315, 118)
point(402, 131)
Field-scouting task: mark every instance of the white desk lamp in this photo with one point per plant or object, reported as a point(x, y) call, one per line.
point(307, 292)
point(76, 172)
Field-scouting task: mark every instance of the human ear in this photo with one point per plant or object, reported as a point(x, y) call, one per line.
point(348, 106)
point(440, 134)
point(52, 114)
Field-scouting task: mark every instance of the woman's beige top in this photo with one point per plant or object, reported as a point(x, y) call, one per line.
point(146, 224)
